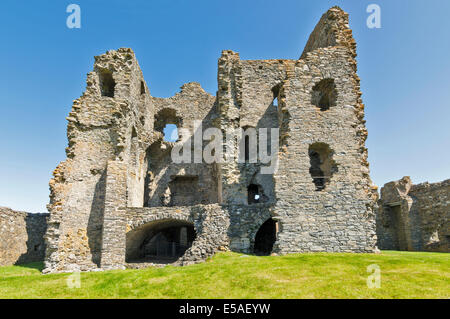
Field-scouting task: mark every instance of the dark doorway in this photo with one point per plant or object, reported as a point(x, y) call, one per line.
point(160, 242)
point(398, 228)
point(265, 238)
point(169, 242)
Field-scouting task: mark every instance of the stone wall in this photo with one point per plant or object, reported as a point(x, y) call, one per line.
point(21, 237)
point(414, 217)
point(113, 239)
point(339, 217)
point(247, 91)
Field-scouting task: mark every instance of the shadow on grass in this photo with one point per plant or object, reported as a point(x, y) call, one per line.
point(39, 265)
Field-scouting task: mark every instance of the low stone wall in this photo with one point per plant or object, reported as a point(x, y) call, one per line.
point(21, 237)
point(414, 217)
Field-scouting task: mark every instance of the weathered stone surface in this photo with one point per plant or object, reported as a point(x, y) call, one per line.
point(21, 237)
point(414, 217)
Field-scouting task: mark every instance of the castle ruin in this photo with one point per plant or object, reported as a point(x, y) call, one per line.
point(119, 200)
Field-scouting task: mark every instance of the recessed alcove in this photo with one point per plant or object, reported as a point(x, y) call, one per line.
point(324, 94)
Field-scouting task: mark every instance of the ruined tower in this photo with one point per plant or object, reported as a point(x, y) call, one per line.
point(120, 200)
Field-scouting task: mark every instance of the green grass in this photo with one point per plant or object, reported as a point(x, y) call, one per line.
point(231, 275)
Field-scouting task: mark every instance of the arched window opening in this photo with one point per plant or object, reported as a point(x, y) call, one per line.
point(167, 122)
point(324, 94)
point(248, 146)
point(107, 83)
point(265, 238)
point(170, 133)
point(159, 242)
point(322, 164)
point(276, 93)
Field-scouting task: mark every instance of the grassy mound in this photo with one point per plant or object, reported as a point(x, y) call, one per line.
point(232, 275)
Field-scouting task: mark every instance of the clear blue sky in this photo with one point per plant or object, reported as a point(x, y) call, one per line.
point(404, 69)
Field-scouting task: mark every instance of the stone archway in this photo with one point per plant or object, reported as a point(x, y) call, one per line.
point(159, 241)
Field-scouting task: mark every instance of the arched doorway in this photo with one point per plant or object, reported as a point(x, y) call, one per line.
point(265, 238)
point(162, 241)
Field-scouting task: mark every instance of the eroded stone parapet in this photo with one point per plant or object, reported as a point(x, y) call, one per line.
point(332, 30)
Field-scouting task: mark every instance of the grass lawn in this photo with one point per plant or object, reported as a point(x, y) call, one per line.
point(232, 275)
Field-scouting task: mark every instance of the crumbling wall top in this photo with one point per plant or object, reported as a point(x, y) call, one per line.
point(424, 187)
point(396, 190)
point(332, 30)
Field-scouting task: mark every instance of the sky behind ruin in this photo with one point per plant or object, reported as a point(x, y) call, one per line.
point(404, 68)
